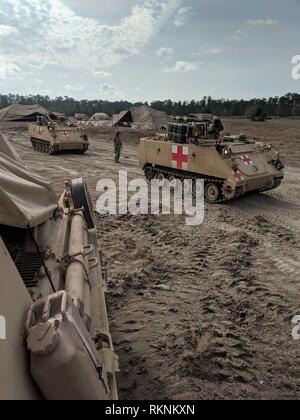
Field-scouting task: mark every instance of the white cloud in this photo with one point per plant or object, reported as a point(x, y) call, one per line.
point(46, 92)
point(8, 30)
point(182, 67)
point(102, 74)
point(55, 35)
point(182, 16)
point(262, 22)
point(165, 52)
point(73, 87)
point(236, 36)
point(210, 51)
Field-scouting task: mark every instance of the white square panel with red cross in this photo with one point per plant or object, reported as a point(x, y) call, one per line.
point(180, 157)
point(247, 160)
point(238, 176)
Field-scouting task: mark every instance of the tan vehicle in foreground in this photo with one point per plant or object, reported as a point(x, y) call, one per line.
point(54, 334)
point(52, 138)
point(230, 166)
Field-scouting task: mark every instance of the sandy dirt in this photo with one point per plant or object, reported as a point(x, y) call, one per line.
point(199, 312)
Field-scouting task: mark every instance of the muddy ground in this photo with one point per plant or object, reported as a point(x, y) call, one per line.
point(199, 312)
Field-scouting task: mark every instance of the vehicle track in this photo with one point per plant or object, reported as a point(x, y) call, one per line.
point(202, 312)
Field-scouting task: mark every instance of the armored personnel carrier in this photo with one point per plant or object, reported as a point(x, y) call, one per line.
point(52, 138)
point(194, 118)
point(55, 342)
point(231, 166)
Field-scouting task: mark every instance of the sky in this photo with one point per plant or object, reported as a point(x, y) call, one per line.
point(145, 50)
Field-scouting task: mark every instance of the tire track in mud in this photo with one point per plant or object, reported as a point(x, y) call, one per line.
point(222, 296)
point(229, 275)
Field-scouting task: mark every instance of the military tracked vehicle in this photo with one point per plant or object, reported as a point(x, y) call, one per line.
point(55, 342)
point(194, 118)
point(231, 166)
point(52, 138)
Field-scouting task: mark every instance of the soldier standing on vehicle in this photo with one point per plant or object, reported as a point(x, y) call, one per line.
point(216, 128)
point(118, 146)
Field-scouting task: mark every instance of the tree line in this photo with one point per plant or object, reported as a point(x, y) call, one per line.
point(284, 106)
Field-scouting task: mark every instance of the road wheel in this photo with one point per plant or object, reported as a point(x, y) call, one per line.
point(212, 192)
point(197, 189)
point(172, 181)
point(160, 176)
point(149, 174)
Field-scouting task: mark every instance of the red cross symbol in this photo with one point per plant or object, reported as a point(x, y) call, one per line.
point(238, 176)
point(247, 160)
point(180, 157)
point(66, 134)
point(40, 130)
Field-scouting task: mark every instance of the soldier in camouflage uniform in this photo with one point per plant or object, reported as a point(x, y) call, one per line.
point(118, 146)
point(215, 128)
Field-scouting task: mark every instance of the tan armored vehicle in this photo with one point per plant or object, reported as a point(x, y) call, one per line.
point(52, 138)
point(55, 342)
point(194, 118)
point(230, 166)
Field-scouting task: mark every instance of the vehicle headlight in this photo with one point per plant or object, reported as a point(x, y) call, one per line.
point(226, 152)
